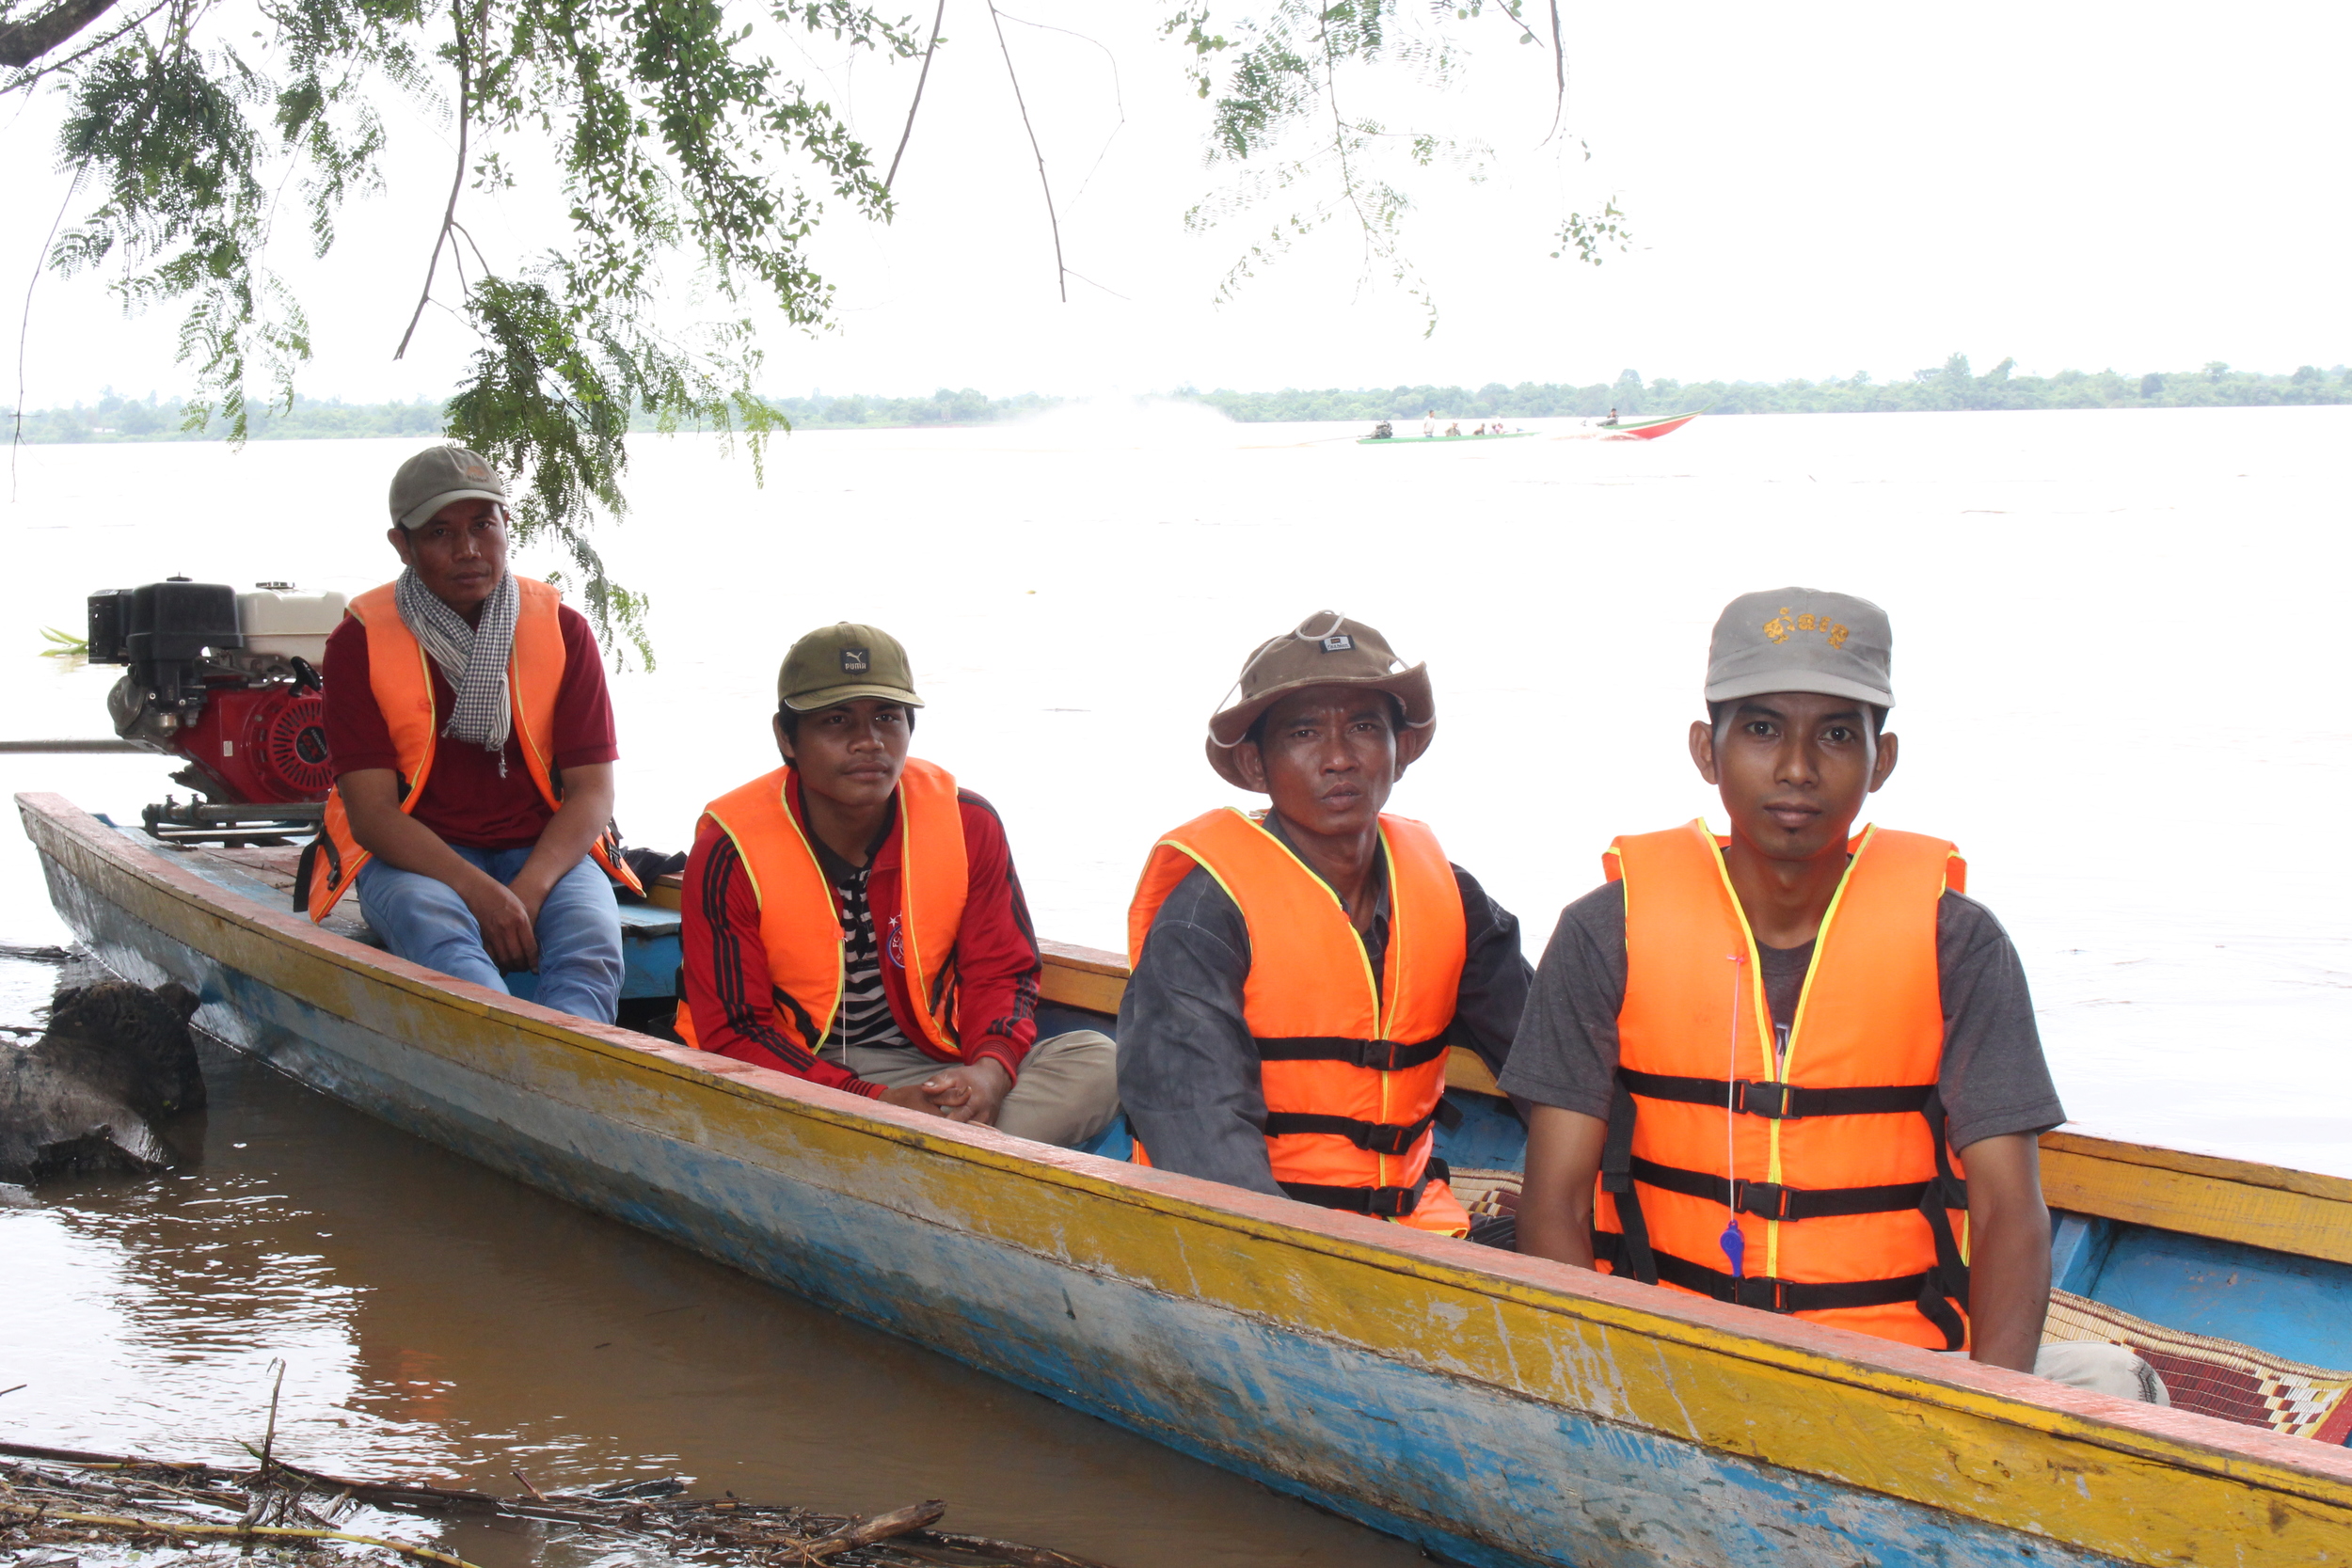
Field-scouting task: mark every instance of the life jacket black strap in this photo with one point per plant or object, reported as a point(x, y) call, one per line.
point(305, 867)
point(1790, 1295)
point(1941, 1294)
point(1945, 1194)
point(304, 863)
point(1772, 1201)
point(1372, 1137)
point(1386, 1203)
point(1616, 1179)
point(1778, 1101)
point(1379, 1055)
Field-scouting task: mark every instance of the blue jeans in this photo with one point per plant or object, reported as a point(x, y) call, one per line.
point(424, 920)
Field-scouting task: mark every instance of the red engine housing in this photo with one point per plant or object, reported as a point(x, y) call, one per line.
point(260, 744)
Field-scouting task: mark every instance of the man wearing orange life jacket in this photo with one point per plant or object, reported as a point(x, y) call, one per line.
point(1301, 973)
point(1797, 1068)
point(473, 742)
point(854, 918)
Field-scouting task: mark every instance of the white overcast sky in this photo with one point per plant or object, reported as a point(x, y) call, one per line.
point(1813, 190)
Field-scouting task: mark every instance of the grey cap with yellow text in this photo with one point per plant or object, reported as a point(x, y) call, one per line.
point(1801, 639)
point(438, 476)
point(841, 663)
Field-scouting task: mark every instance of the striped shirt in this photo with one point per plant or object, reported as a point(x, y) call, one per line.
point(864, 1018)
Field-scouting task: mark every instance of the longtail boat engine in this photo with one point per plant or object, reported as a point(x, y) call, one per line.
point(229, 681)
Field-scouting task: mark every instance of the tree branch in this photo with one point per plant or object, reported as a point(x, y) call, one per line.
point(1062, 272)
point(1559, 59)
point(1560, 71)
point(903, 135)
point(23, 43)
point(1118, 97)
point(24, 329)
point(456, 184)
point(91, 45)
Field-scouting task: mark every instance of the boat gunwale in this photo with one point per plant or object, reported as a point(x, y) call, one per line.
point(2190, 1161)
point(2243, 1455)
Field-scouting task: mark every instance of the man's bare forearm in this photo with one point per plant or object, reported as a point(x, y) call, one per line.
point(400, 840)
point(2009, 1274)
point(1555, 1215)
point(586, 812)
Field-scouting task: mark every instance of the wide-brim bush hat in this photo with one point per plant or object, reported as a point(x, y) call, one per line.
point(1325, 649)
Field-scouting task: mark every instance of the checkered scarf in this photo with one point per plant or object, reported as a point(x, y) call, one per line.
point(472, 659)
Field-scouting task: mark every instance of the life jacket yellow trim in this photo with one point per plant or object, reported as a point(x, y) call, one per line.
point(742, 855)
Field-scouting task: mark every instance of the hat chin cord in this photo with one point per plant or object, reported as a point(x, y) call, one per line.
point(1298, 633)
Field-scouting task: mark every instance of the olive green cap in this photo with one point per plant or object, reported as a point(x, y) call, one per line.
point(1325, 649)
point(841, 663)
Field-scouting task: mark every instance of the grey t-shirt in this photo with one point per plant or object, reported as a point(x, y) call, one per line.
point(1993, 1078)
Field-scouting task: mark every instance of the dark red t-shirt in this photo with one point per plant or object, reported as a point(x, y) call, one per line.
point(465, 801)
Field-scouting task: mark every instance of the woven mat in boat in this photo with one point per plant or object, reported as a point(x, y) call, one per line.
point(1486, 1192)
point(2218, 1377)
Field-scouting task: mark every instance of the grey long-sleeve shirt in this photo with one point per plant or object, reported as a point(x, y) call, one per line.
point(1188, 1069)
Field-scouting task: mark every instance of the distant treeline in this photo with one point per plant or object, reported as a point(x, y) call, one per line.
point(1952, 385)
point(1949, 385)
point(115, 417)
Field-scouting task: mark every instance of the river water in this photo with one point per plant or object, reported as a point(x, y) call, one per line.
point(2120, 649)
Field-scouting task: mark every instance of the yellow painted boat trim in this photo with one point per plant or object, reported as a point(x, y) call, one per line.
point(2200, 1194)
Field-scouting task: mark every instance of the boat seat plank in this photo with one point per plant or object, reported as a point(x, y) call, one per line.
point(2302, 1212)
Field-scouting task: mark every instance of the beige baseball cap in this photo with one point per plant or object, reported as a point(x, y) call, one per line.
point(842, 663)
point(1801, 639)
point(1325, 649)
point(438, 476)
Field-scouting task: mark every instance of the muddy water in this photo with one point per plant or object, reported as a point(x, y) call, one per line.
point(434, 1318)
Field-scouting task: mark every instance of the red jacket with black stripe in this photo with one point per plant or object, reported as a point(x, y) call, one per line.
point(996, 955)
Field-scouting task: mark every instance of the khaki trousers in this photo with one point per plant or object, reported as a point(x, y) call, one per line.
point(1066, 1092)
point(2101, 1368)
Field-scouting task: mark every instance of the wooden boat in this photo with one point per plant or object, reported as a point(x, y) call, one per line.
point(1631, 430)
point(1495, 1409)
point(1443, 440)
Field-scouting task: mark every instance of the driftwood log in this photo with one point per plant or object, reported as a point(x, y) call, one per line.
point(53, 1492)
point(94, 1093)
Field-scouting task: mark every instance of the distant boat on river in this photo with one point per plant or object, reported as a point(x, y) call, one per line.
point(1495, 1409)
point(1456, 439)
point(1630, 430)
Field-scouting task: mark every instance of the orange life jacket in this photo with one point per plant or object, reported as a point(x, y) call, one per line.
point(400, 673)
point(1352, 1070)
point(1831, 1159)
point(799, 922)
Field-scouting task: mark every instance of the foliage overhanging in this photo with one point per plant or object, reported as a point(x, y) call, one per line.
point(684, 155)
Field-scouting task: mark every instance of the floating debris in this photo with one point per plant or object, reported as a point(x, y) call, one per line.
point(53, 1500)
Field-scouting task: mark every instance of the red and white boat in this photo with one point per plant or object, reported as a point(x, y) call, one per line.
point(1630, 430)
